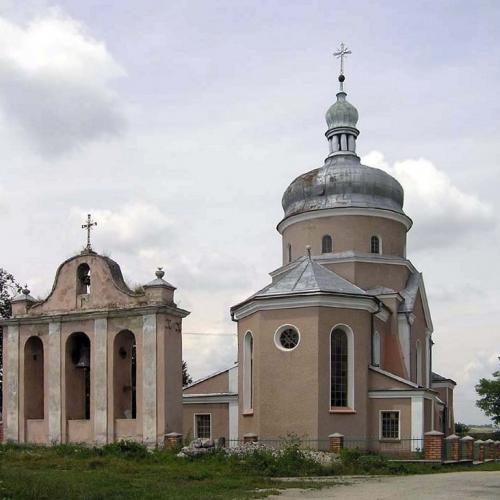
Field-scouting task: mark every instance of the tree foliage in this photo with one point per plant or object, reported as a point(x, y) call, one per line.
point(489, 400)
point(8, 288)
point(186, 378)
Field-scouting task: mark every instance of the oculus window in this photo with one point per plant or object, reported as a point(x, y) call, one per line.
point(287, 338)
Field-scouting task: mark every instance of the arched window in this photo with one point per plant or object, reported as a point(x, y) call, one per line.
point(248, 372)
point(418, 359)
point(375, 246)
point(124, 375)
point(326, 244)
point(78, 363)
point(33, 379)
point(339, 368)
point(376, 348)
point(289, 250)
point(83, 279)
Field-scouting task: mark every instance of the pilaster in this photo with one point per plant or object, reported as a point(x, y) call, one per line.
point(12, 416)
point(149, 379)
point(54, 383)
point(100, 380)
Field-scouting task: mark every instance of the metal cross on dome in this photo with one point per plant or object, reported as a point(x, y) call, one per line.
point(88, 227)
point(341, 53)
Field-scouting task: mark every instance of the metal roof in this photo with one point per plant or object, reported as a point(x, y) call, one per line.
point(308, 276)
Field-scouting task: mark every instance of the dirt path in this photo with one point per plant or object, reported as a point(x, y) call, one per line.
point(452, 485)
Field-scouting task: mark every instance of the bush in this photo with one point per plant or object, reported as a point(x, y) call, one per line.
point(125, 448)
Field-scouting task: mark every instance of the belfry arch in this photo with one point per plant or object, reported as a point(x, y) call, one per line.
point(34, 394)
point(78, 377)
point(124, 375)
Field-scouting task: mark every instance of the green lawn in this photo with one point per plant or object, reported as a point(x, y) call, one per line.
point(125, 471)
point(77, 473)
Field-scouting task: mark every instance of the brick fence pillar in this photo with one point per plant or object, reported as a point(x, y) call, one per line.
point(336, 442)
point(497, 450)
point(250, 438)
point(452, 444)
point(467, 448)
point(172, 440)
point(433, 445)
point(480, 446)
point(489, 451)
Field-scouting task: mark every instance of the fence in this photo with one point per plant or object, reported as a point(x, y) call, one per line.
point(433, 447)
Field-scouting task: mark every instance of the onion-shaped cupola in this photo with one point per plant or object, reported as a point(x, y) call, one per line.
point(343, 182)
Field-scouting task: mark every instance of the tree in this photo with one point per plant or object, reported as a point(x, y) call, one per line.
point(461, 429)
point(186, 378)
point(8, 288)
point(489, 392)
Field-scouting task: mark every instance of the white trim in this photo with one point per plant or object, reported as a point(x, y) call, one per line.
point(332, 212)
point(350, 364)
point(399, 394)
point(248, 368)
point(376, 349)
point(418, 361)
point(391, 375)
point(417, 420)
point(380, 425)
point(232, 376)
point(427, 359)
point(216, 397)
point(365, 303)
point(195, 429)
point(279, 331)
point(404, 334)
point(233, 423)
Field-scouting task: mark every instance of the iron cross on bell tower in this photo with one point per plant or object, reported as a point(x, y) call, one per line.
point(341, 53)
point(88, 226)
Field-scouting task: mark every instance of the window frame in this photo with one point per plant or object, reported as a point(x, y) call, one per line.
point(379, 245)
point(380, 435)
point(376, 348)
point(350, 408)
point(323, 243)
point(278, 333)
point(195, 427)
point(248, 374)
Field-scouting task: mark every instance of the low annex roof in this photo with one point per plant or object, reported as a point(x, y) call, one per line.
point(439, 378)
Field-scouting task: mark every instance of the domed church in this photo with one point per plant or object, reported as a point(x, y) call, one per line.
point(340, 341)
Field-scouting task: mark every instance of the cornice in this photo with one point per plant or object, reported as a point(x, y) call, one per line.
point(63, 317)
point(333, 212)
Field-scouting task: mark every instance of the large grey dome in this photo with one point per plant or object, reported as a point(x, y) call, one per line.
point(343, 182)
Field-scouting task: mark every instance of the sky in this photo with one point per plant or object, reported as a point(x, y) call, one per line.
point(179, 125)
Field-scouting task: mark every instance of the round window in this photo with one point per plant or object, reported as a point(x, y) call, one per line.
point(287, 338)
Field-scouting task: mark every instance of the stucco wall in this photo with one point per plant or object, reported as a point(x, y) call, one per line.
point(220, 418)
point(218, 383)
point(349, 232)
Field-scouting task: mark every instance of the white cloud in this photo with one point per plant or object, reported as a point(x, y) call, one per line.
point(55, 83)
point(137, 228)
point(441, 211)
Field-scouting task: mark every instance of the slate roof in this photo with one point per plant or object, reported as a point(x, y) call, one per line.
point(439, 378)
point(308, 276)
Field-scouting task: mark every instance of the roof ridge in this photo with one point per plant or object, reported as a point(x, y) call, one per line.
point(302, 273)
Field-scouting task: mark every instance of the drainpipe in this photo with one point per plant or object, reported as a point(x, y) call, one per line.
point(379, 304)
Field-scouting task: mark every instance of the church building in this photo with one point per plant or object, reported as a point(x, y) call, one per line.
point(340, 341)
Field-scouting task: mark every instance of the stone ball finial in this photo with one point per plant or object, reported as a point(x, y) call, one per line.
point(341, 78)
point(308, 250)
point(160, 273)
point(26, 291)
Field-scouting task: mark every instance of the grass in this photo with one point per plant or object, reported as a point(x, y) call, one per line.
point(128, 471)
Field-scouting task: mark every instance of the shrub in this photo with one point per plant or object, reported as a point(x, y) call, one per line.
point(125, 448)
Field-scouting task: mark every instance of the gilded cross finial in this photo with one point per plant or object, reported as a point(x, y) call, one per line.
point(342, 53)
point(88, 226)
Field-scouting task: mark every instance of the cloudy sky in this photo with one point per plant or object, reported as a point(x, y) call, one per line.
point(178, 125)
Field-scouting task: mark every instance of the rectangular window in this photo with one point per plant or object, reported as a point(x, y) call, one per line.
point(203, 425)
point(389, 425)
